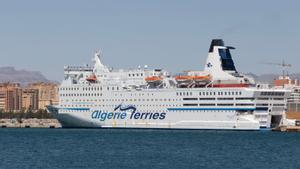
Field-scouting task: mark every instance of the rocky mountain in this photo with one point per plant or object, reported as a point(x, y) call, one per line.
point(10, 74)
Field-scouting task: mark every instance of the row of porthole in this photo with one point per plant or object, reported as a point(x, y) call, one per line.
point(209, 93)
point(95, 105)
point(87, 88)
point(81, 94)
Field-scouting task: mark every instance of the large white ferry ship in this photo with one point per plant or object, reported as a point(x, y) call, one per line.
point(217, 98)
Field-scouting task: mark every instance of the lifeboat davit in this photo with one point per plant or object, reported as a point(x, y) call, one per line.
point(153, 79)
point(202, 79)
point(92, 78)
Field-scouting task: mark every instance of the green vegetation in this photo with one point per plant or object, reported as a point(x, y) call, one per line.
point(26, 114)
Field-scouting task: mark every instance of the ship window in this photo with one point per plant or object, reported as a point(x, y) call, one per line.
point(244, 104)
point(261, 104)
point(225, 98)
point(244, 98)
point(207, 98)
point(263, 98)
point(278, 99)
point(190, 98)
point(278, 104)
point(225, 104)
point(206, 104)
point(190, 104)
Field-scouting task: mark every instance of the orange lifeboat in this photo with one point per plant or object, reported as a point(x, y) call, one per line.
point(183, 78)
point(153, 79)
point(202, 78)
point(92, 78)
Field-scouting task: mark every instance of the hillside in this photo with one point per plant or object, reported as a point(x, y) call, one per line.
point(10, 74)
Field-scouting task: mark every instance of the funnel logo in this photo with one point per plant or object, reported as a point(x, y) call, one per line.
point(126, 112)
point(209, 64)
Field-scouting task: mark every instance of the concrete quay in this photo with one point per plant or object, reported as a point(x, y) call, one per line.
point(29, 123)
point(288, 129)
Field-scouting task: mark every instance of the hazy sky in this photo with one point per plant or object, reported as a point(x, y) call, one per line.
point(172, 34)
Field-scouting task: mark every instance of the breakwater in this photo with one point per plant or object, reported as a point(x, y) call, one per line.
point(29, 123)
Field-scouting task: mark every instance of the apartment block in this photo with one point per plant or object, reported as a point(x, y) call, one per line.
point(30, 99)
point(10, 97)
point(48, 93)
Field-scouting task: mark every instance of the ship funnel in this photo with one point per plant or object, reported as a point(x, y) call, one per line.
point(215, 42)
point(219, 62)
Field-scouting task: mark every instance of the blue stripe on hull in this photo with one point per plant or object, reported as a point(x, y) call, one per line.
point(76, 108)
point(187, 109)
point(217, 108)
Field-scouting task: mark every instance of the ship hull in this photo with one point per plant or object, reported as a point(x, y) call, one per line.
point(226, 120)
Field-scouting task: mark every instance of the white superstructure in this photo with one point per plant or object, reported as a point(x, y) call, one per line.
point(217, 98)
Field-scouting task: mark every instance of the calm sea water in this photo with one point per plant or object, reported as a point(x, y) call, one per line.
point(133, 148)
